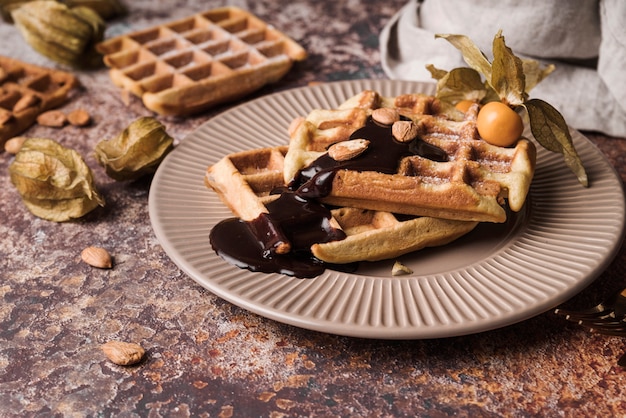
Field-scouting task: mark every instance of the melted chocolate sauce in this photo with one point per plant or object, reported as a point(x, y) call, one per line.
point(383, 155)
point(297, 217)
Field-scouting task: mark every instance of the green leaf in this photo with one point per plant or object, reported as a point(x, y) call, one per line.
point(472, 55)
point(507, 77)
point(551, 131)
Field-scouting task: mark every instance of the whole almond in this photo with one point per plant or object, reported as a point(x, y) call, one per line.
point(79, 117)
point(52, 118)
point(404, 130)
point(385, 115)
point(13, 145)
point(347, 150)
point(123, 353)
point(97, 257)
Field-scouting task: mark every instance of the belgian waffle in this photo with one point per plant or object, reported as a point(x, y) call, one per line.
point(244, 182)
point(473, 184)
point(27, 90)
point(189, 65)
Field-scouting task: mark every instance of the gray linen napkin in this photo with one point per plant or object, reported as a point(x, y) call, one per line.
point(585, 39)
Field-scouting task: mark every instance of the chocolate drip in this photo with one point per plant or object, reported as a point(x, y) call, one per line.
point(383, 155)
point(301, 218)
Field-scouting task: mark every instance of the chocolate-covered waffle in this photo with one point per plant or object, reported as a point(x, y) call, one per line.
point(277, 230)
point(417, 161)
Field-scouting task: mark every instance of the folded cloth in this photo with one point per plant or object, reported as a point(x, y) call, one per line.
point(584, 39)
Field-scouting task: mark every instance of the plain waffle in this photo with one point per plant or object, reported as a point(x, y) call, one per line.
point(473, 183)
point(26, 91)
point(244, 182)
point(189, 65)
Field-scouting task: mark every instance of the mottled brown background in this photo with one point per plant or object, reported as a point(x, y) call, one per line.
point(206, 357)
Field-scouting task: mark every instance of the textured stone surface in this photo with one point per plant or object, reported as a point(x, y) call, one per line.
point(206, 357)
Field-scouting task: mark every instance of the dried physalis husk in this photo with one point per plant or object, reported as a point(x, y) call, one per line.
point(107, 9)
point(54, 181)
point(135, 152)
point(123, 353)
point(63, 34)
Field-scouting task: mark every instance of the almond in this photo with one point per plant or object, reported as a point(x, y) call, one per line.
point(404, 131)
point(52, 118)
point(79, 117)
point(385, 115)
point(13, 145)
point(123, 353)
point(97, 257)
point(347, 150)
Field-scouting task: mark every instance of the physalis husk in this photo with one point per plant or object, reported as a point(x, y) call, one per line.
point(508, 79)
point(54, 181)
point(64, 34)
point(136, 151)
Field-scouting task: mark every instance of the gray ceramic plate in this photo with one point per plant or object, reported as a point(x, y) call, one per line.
point(495, 276)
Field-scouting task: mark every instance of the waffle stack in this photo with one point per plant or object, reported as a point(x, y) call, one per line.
point(472, 184)
point(244, 181)
point(188, 65)
point(26, 91)
point(389, 189)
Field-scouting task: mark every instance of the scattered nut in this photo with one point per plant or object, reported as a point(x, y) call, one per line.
point(3, 75)
point(385, 115)
point(347, 150)
point(26, 101)
point(97, 257)
point(52, 118)
point(79, 117)
point(122, 353)
point(404, 130)
point(399, 269)
point(13, 145)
